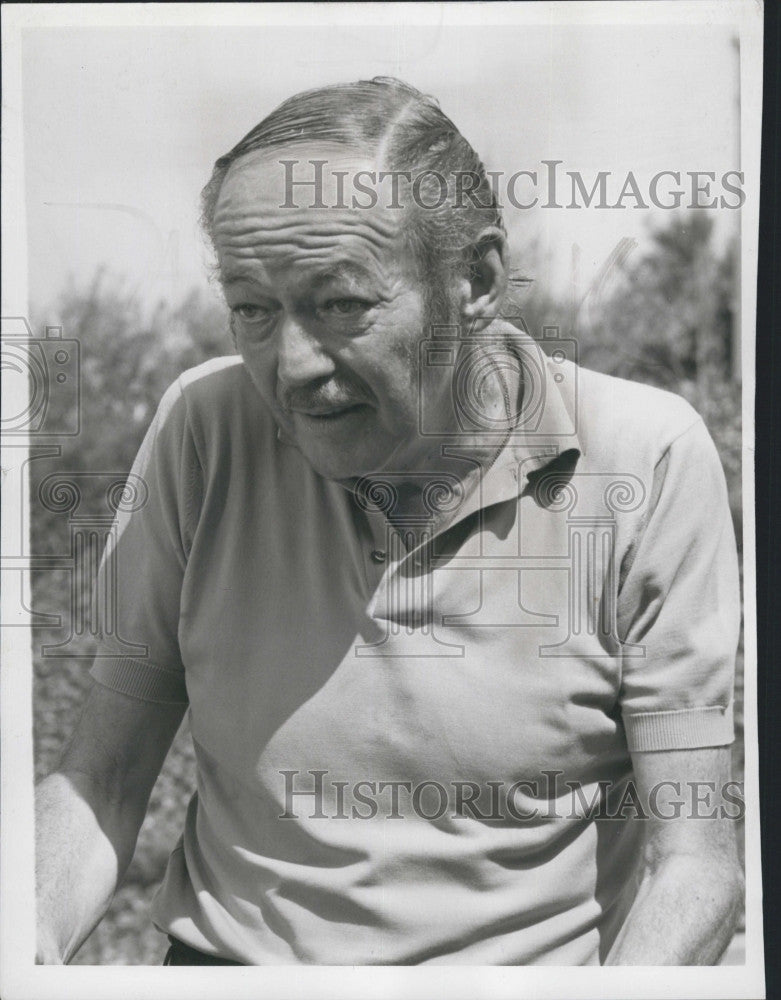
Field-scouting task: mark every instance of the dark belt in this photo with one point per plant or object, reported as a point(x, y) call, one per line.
point(182, 954)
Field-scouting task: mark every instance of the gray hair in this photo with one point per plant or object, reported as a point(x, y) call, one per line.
point(407, 131)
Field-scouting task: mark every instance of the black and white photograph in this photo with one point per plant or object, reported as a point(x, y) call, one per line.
point(378, 562)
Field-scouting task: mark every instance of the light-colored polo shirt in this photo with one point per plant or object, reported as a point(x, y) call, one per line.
point(395, 748)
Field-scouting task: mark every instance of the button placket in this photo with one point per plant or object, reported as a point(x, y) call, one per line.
point(381, 535)
point(404, 596)
point(377, 558)
point(398, 557)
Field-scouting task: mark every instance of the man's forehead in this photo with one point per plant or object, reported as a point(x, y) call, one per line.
point(258, 216)
point(275, 177)
point(283, 187)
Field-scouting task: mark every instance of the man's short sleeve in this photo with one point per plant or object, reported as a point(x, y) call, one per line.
point(143, 565)
point(680, 602)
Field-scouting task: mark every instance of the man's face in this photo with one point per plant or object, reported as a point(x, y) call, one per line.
point(327, 312)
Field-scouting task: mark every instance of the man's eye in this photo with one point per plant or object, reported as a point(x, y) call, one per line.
point(346, 307)
point(250, 313)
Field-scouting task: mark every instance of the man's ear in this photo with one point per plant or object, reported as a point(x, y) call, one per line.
point(487, 281)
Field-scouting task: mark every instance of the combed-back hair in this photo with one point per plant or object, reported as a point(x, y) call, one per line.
point(403, 130)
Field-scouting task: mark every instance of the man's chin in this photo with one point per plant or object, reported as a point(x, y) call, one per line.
point(344, 473)
point(347, 468)
point(343, 466)
point(341, 446)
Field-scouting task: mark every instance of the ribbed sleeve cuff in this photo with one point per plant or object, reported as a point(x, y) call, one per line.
point(140, 679)
point(683, 729)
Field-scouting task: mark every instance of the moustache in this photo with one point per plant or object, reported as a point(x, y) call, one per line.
point(332, 395)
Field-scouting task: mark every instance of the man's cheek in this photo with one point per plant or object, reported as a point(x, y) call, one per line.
point(402, 411)
point(263, 376)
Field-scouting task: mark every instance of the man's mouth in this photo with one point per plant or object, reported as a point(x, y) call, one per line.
point(331, 413)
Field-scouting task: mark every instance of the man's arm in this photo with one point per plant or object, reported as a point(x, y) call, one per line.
point(691, 893)
point(89, 812)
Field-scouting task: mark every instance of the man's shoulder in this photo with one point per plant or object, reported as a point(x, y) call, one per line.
point(218, 389)
point(220, 405)
point(204, 384)
point(621, 416)
point(213, 378)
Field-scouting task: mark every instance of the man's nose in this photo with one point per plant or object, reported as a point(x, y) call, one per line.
point(301, 358)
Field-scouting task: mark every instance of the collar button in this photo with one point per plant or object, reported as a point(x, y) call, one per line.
point(378, 556)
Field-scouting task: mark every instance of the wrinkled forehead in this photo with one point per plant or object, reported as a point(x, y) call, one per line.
point(276, 204)
point(298, 174)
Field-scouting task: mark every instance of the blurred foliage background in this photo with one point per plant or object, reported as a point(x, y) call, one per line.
point(666, 316)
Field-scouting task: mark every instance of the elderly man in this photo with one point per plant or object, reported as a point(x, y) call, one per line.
point(454, 623)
